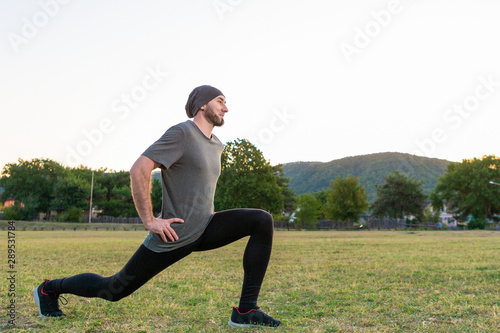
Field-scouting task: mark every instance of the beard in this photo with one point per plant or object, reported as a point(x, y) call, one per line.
point(212, 117)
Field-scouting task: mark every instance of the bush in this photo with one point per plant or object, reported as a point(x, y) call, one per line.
point(430, 216)
point(444, 226)
point(13, 213)
point(72, 214)
point(477, 223)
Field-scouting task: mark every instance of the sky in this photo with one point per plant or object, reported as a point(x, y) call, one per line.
point(95, 83)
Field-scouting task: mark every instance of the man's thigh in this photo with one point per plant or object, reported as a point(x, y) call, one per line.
point(228, 226)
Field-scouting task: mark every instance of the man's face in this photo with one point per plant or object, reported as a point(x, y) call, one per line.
point(215, 111)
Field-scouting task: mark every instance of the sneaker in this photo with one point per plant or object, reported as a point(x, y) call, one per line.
point(252, 318)
point(47, 301)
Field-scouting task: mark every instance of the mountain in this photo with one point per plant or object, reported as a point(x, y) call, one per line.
point(306, 177)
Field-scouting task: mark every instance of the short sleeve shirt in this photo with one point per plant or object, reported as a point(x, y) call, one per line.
point(190, 167)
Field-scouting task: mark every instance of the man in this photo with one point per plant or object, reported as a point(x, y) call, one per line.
point(189, 157)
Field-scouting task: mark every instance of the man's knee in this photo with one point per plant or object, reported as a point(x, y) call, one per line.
point(265, 220)
point(117, 287)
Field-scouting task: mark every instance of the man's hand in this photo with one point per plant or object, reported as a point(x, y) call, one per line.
point(162, 227)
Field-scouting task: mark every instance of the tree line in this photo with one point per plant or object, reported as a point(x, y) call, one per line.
point(468, 190)
point(248, 180)
point(63, 193)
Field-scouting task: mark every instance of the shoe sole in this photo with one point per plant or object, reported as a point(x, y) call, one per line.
point(37, 300)
point(236, 325)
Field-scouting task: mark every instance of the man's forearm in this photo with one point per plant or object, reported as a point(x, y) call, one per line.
point(142, 199)
point(140, 182)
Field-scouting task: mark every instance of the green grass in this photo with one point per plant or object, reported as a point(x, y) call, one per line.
point(317, 281)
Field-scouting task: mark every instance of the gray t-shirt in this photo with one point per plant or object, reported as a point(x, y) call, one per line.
point(190, 166)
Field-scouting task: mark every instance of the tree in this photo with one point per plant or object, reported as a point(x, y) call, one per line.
point(43, 185)
point(99, 193)
point(32, 183)
point(400, 196)
point(308, 210)
point(322, 196)
point(112, 193)
point(346, 199)
point(289, 203)
point(121, 203)
point(466, 191)
point(247, 179)
point(156, 196)
point(70, 191)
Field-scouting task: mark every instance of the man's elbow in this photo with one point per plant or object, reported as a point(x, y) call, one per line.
point(143, 166)
point(137, 168)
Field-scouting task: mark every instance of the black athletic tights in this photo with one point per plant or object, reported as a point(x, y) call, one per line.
point(224, 228)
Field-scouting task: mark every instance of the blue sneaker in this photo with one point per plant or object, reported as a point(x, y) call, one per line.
point(48, 302)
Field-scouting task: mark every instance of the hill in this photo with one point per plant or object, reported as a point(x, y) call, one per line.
point(306, 177)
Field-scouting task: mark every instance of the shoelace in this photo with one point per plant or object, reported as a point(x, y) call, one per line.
point(266, 320)
point(53, 304)
point(65, 300)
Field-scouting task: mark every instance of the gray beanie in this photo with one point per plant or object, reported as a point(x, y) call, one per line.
point(200, 96)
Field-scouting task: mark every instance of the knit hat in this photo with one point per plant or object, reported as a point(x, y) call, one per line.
point(200, 96)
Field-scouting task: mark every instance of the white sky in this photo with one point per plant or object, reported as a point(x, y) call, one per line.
point(304, 80)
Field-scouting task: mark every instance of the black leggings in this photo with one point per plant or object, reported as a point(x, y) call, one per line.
point(224, 228)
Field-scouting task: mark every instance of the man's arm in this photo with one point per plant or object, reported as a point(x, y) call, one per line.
point(140, 182)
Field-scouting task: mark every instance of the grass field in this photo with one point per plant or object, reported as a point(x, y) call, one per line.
point(317, 281)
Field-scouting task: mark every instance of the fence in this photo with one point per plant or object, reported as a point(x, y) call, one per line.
point(379, 224)
point(112, 219)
